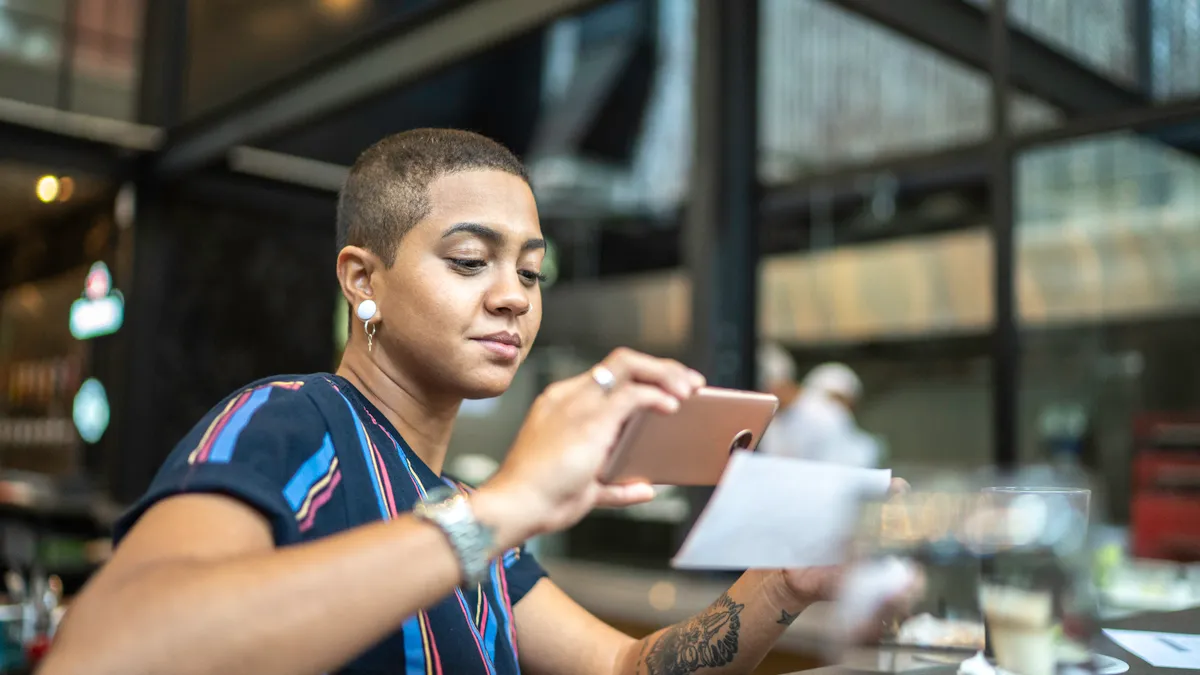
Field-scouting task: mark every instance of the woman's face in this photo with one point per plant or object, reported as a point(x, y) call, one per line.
point(462, 305)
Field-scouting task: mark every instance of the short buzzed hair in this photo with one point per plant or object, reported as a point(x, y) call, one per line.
point(387, 191)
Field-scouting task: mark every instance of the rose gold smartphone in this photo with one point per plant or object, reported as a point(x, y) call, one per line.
point(692, 445)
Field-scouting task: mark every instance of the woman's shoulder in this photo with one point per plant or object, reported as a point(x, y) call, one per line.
point(293, 382)
point(280, 391)
point(282, 403)
point(252, 445)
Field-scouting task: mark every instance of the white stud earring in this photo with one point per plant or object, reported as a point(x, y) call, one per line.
point(366, 311)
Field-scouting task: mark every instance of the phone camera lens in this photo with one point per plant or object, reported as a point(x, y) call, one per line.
point(742, 441)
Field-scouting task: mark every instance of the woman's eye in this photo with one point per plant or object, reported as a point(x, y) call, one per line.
point(533, 277)
point(468, 265)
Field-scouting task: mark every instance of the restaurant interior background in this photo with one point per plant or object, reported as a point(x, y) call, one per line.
point(997, 225)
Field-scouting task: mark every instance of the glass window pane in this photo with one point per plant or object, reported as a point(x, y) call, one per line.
point(839, 90)
point(655, 181)
point(105, 59)
point(51, 10)
point(30, 51)
point(103, 56)
point(1108, 272)
point(910, 316)
point(1097, 33)
point(1175, 48)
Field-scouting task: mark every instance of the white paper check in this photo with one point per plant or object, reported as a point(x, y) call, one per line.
point(1161, 650)
point(772, 512)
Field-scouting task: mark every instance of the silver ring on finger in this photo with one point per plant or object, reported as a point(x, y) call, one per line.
point(604, 378)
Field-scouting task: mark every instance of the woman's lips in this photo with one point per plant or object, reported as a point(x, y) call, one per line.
point(501, 350)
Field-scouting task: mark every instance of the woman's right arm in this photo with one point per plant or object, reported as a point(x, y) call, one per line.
point(199, 587)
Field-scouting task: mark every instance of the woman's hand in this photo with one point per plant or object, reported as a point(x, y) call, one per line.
point(807, 585)
point(550, 478)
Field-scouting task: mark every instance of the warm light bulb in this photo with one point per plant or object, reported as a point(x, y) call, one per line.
point(47, 189)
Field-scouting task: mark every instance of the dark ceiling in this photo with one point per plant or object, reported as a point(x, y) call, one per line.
point(496, 94)
point(236, 46)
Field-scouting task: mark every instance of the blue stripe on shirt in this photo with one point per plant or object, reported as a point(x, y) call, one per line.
point(312, 470)
point(501, 610)
point(366, 450)
point(414, 647)
point(223, 446)
point(489, 633)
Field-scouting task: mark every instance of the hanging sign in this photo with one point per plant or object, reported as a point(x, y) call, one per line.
point(101, 309)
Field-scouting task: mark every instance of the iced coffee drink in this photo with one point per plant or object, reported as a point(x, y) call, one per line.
point(1021, 629)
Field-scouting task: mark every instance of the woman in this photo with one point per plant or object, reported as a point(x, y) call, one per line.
point(304, 525)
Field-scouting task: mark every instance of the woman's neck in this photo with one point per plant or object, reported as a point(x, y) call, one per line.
point(425, 424)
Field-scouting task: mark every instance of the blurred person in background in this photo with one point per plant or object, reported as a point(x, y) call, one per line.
point(305, 524)
point(816, 417)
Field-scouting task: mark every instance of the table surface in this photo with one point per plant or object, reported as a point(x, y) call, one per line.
point(908, 661)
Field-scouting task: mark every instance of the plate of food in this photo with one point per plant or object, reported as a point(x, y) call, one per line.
point(926, 631)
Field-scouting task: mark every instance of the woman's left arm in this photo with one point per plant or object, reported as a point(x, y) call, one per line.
point(732, 635)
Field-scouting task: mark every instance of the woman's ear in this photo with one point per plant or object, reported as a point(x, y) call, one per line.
point(355, 268)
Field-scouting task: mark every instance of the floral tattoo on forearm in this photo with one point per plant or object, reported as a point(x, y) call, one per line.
point(707, 640)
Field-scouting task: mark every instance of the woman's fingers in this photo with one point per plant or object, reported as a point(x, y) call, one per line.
point(631, 398)
point(631, 366)
point(628, 381)
point(625, 495)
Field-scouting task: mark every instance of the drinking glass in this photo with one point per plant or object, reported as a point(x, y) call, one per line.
point(1032, 542)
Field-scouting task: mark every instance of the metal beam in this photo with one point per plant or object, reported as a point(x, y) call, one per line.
point(940, 169)
point(288, 169)
point(1006, 336)
point(58, 139)
point(1174, 124)
point(57, 152)
point(960, 30)
point(66, 58)
point(1159, 122)
point(442, 36)
point(164, 58)
point(721, 228)
point(1142, 28)
point(562, 129)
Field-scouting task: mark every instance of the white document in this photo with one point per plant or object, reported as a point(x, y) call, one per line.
point(1161, 650)
point(772, 512)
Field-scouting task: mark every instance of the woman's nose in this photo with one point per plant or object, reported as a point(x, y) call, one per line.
point(509, 296)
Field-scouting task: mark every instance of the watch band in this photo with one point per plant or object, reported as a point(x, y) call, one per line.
point(472, 541)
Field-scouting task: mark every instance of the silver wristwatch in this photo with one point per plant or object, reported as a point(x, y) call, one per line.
point(472, 541)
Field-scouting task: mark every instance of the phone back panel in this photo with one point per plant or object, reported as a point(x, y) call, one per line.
point(693, 445)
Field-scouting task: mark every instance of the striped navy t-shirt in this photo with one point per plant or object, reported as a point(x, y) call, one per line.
point(316, 458)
